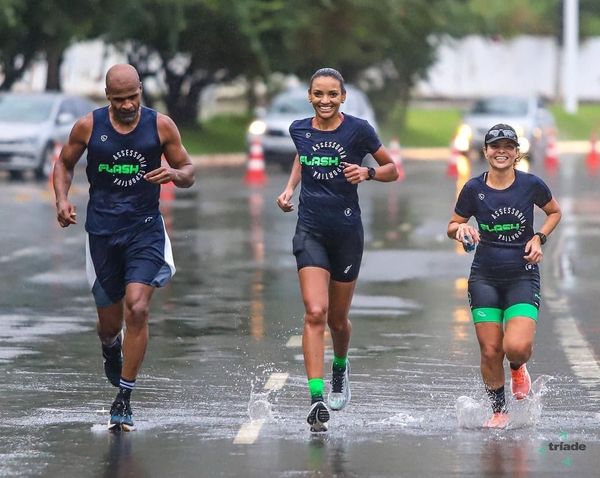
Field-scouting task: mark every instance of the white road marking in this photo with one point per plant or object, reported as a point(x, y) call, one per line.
point(580, 355)
point(249, 431)
point(294, 341)
point(577, 349)
point(276, 381)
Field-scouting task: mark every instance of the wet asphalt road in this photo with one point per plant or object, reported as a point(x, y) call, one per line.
point(222, 391)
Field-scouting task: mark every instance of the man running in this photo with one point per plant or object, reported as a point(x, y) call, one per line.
point(128, 252)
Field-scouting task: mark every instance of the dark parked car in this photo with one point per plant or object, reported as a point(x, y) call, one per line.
point(31, 124)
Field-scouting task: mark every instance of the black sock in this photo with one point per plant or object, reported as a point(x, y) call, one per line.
point(124, 393)
point(514, 366)
point(498, 399)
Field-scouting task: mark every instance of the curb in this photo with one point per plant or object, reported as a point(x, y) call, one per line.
point(218, 160)
point(408, 154)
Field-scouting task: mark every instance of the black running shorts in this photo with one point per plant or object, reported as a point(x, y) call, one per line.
point(339, 252)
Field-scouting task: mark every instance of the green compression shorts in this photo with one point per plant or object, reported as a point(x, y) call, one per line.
point(491, 314)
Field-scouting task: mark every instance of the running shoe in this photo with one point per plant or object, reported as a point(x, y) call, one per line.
point(520, 382)
point(318, 416)
point(498, 420)
point(121, 417)
point(339, 396)
point(113, 360)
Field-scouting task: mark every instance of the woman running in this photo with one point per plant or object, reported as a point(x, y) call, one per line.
point(328, 243)
point(504, 284)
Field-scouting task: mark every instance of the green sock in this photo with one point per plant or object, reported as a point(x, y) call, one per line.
point(316, 386)
point(339, 363)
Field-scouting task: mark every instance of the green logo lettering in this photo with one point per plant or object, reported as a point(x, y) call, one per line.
point(320, 160)
point(129, 169)
point(500, 227)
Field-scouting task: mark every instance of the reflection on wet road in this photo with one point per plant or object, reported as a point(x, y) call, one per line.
point(223, 391)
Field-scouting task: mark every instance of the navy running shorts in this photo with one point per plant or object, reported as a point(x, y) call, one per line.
point(339, 252)
point(494, 300)
point(142, 255)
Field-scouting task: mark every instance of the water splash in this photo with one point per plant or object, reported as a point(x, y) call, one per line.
point(526, 413)
point(259, 407)
point(471, 413)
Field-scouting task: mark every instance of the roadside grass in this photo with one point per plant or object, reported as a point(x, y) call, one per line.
point(221, 134)
point(425, 127)
point(579, 126)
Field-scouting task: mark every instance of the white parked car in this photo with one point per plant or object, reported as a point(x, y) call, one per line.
point(290, 105)
point(31, 124)
point(530, 118)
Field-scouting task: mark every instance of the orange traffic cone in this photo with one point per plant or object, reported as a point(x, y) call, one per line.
point(167, 190)
point(255, 172)
point(551, 161)
point(452, 167)
point(592, 160)
point(396, 154)
point(55, 155)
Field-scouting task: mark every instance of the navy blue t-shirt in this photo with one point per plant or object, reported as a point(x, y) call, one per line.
point(505, 219)
point(327, 200)
point(120, 197)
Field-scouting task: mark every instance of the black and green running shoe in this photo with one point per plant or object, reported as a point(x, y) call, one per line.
point(318, 416)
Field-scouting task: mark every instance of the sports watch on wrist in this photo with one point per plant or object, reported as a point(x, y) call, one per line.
point(542, 237)
point(371, 174)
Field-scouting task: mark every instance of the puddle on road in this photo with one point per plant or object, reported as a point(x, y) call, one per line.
point(29, 328)
point(72, 278)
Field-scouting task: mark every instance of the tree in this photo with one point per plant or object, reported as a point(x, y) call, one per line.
point(383, 45)
point(59, 24)
point(17, 46)
point(186, 45)
point(43, 29)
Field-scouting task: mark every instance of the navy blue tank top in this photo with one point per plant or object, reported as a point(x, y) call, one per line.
point(120, 197)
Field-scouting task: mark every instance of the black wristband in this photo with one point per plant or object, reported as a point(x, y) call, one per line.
point(542, 237)
point(371, 174)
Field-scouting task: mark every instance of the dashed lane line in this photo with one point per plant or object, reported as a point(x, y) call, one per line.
point(276, 381)
point(580, 356)
point(294, 341)
point(576, 347)
point(249, 431)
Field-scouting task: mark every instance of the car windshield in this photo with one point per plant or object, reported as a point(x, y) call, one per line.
point(501, 106)
point(292, 105)
point(25, 109)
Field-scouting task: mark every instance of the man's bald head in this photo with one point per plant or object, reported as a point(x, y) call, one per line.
point(122, 76)
point(123, 91)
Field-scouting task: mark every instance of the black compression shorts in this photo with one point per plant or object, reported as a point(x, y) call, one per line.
point(339, 252)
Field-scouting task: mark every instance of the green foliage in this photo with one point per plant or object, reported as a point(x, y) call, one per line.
point(41, 27)
point(500, 19)
point(221, 134)
point(589, 18)
point(196, 43)
point(186, 45)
